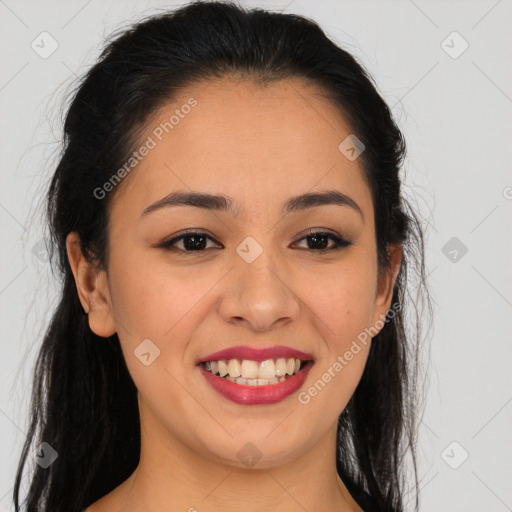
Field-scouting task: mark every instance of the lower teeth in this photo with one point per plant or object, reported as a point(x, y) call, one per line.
point(256, 382)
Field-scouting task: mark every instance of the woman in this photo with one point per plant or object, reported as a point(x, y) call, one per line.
point(229, 224)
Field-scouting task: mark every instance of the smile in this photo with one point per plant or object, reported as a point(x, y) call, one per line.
point(251, 382)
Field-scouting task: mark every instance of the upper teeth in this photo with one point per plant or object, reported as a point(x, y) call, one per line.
point(249, 369)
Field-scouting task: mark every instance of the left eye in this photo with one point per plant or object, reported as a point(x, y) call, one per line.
point(320, 238)
point(196, 242)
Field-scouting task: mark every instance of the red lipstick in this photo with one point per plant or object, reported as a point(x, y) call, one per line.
point(256, 395)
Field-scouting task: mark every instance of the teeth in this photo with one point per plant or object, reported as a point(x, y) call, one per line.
point(223, 368)
point(290, 366)
point(267, 369)
point(254, 373)
point(281, 367)
point(234, 368)
point(249, 369)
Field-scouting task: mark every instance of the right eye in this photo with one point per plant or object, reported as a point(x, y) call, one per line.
point(192, 242)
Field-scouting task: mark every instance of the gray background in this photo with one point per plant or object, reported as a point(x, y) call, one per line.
point(455, 111)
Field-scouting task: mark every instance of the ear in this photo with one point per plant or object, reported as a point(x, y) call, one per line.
point(92, 287)
point(386, 283)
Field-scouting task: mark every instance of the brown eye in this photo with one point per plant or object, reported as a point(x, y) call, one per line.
point(318, 241)
point(191, 242)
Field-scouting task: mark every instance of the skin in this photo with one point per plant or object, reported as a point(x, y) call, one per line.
point(260, 146)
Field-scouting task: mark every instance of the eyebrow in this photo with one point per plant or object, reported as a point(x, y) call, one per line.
point(221, 202)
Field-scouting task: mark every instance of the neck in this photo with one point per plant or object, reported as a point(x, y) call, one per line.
point(170, 473)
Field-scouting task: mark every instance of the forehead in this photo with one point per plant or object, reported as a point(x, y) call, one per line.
point(251, 142)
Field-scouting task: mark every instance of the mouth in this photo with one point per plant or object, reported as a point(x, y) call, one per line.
point(250, 382)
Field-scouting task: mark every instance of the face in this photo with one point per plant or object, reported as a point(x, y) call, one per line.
point(250, 274)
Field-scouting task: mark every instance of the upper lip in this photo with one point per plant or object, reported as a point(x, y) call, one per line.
point(256, 354)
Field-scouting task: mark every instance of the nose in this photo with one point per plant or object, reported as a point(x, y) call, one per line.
point(259, 295)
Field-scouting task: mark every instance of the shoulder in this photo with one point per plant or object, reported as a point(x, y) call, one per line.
point(96, 507)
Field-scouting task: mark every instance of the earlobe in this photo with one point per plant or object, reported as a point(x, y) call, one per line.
point(92, 288)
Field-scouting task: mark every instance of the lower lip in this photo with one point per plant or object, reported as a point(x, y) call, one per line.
point(257, 395)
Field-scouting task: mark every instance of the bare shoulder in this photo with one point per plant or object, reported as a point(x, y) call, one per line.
point(102, 505)
point(95, 507)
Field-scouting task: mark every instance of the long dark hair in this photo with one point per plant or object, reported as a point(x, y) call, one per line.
point(84, 402)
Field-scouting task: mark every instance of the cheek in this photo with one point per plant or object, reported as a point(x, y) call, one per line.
point(153, 300)
point(341, 302)
point(157, 303)
point(341, 299)
point(155, 311)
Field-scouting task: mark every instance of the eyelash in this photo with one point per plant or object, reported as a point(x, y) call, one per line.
point(340, 242)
